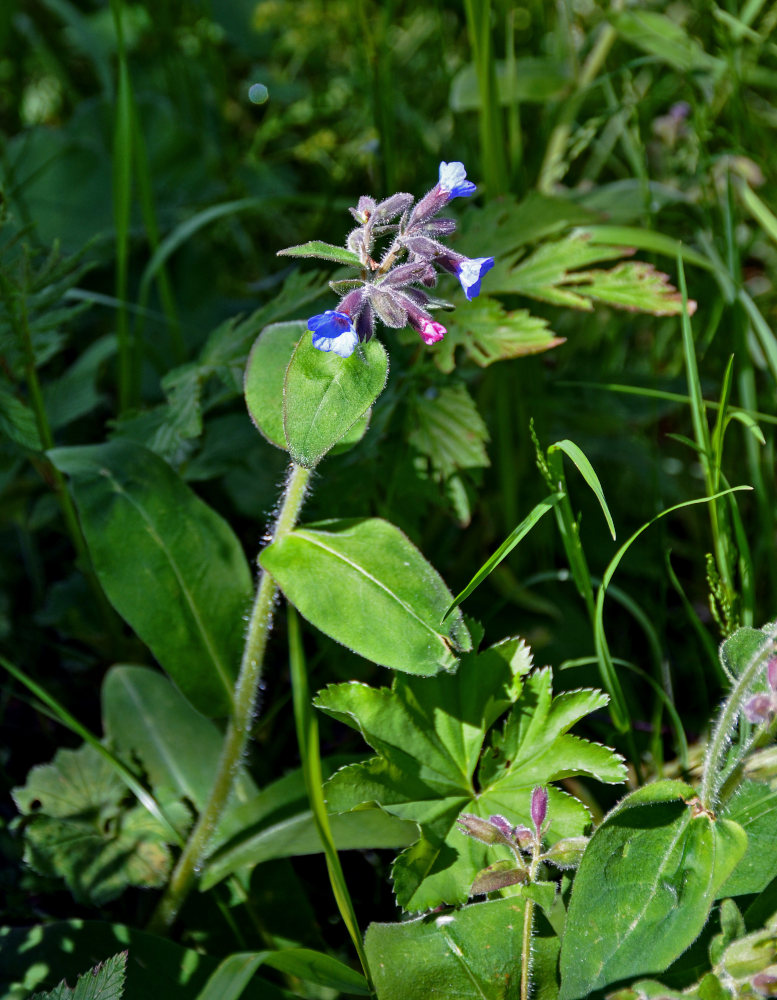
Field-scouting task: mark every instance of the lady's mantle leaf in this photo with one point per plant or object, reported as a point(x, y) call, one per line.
point(75, 828)
point(430, 765)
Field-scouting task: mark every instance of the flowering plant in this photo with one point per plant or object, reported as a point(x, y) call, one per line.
point(393, 289)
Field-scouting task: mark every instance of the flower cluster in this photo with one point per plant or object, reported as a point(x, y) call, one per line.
point(393, 289)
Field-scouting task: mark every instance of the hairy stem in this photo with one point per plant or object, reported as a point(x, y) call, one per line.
point(236, 737)
point(712, 772)
point(528, 922)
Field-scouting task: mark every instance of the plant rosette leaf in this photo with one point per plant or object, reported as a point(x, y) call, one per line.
point(169, 564)
point(76, 828)
point(363, 583)
point(324, 395)
point(471, 954)
point(436, 760)
point(645, 887)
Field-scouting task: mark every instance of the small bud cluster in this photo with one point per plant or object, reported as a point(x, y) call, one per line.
point(393, 289)
point(762, 707)
point(565, 853)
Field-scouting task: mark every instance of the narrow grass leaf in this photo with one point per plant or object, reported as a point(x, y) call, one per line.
point(234, 973)
point(609, 677)
point(586, 470)
point(306, 722)
point(186, 230)
point(507, 546)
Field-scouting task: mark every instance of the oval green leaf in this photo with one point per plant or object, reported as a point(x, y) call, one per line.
point(644, 891)
point(146, 718)
point(363, 583)
point(169, 564)
point(325, 395)
point(265, 374)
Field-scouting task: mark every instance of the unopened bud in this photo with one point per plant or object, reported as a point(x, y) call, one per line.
point(765, 982)
point(539, 807)
point(482, 829)
point(498, 876)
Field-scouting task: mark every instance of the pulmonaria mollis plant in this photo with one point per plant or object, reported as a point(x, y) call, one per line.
point(393, 288)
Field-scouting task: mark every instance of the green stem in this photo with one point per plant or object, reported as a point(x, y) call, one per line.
point(528, 922)
point(712, 775)
point(306, 723)
point(236, 737)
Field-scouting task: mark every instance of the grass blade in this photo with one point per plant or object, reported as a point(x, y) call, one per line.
point(586, 470)
point(306, 723)
point(506, 548)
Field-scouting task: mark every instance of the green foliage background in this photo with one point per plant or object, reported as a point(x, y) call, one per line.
point(145, 197)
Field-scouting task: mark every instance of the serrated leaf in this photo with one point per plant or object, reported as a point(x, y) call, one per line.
point(324, 395)
point(430, 766)
point(634, 286)
point(104, 982)
point(552, 273)
point(470, 954)
point(38, 957)
point(76, 828)
point(324, 251)
point(364, 583)
point(543, 274)
point(169, 564)
point(447, 428)
point(17, 422)
point(488, 333)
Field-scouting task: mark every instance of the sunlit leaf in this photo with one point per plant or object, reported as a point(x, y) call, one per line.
point(436, 759)
point(488, 333)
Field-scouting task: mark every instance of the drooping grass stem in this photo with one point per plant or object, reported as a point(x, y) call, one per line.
point(236, 737)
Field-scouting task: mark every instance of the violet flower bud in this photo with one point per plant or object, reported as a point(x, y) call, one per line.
point(430, 331)
point(539, 807)
point(759, 708)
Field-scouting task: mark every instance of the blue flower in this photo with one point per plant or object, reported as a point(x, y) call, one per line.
point(453, 180)
point(333, 331)
point(470, 273)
